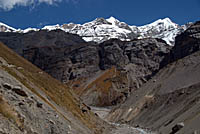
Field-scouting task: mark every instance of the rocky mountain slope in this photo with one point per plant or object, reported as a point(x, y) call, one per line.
point(101, 74)
point(101, 29)
point(33, 102)
point(169, 102)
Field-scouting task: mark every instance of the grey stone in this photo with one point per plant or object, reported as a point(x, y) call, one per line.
point(7, 86)
point(177, 127)
point(18, 90)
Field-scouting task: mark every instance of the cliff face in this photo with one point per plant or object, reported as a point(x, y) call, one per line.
point(33, 102)
point(169, 102)
point(105, 72)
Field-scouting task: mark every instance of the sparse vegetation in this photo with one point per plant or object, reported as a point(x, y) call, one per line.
point(103, 85)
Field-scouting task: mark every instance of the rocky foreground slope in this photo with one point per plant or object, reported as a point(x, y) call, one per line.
point(169, 102)
point(32, 102)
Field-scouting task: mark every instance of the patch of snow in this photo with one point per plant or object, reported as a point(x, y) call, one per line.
point(53, 27)
point(30, 29)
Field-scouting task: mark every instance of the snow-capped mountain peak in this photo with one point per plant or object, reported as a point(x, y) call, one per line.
point(166, 22)
point(102, 29)
point(160, 24)
point(112, 20)
point(6, 28)
point(163, 28)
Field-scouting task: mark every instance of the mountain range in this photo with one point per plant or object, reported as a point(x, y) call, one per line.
point(101, 77)
point(101, 29)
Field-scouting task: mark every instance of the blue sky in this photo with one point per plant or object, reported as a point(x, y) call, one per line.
point(37, 13)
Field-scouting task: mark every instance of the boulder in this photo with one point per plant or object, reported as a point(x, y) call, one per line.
point(7, 86)
point(18, 90)
point(177, 127)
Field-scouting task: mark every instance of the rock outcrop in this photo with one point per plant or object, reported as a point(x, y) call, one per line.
point(101, 74)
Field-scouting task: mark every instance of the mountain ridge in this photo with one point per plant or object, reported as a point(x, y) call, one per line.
point(101, 29)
